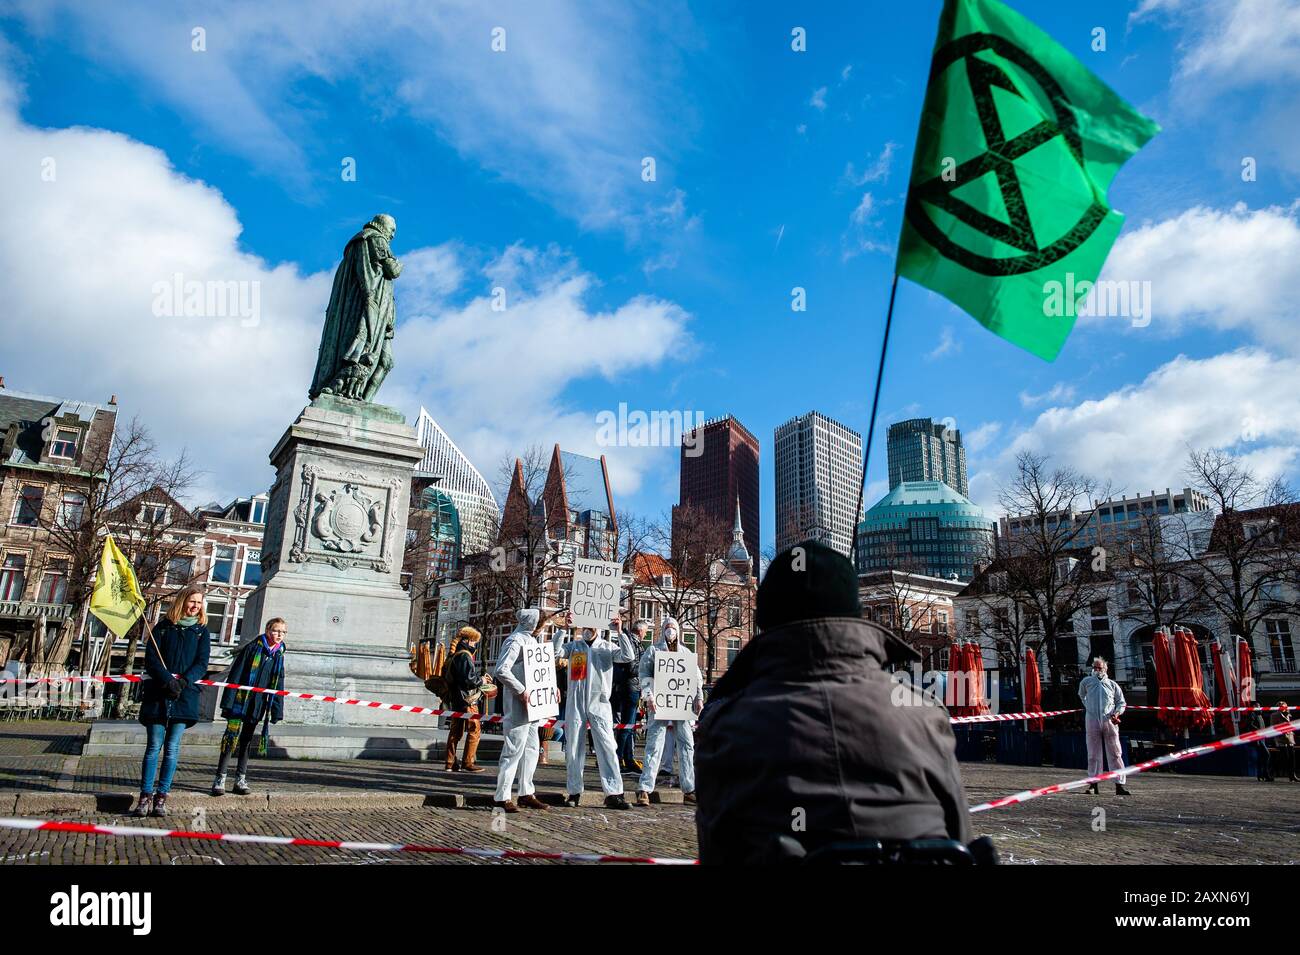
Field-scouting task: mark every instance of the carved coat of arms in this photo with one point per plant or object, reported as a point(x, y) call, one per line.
point(347, 519)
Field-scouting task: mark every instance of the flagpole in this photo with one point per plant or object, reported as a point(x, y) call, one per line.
point(871, 427)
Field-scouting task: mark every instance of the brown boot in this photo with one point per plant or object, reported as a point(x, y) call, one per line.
point(471, 750)
point(543, 759)
point(688, 798)
point(642, 798)
point(532, 802)
point(507, 806)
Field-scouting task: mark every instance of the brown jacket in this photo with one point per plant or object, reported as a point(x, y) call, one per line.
point(807, 737)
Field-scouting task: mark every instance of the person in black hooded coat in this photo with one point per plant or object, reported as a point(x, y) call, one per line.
point(175, 659)
point(806, 740)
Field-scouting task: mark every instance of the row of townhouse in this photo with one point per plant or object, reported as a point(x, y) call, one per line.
point(1114, 620)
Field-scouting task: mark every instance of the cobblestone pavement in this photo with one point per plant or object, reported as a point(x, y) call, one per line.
point(1169, 819)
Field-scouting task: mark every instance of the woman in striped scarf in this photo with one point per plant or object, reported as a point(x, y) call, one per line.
point(259, 662)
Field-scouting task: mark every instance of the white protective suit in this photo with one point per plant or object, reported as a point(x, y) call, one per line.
point(1102, 698)
point(520, 749)
point(588, 702)
point(656, 728)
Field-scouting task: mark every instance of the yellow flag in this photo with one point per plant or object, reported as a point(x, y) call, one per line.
point(117, 600)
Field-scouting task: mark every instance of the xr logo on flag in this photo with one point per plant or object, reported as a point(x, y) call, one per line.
point(983, 76)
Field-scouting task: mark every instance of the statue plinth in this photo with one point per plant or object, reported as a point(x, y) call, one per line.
point(332, 561)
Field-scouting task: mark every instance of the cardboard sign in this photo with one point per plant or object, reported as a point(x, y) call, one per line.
point(677, 681)
point(595, 592)
point(539, 682)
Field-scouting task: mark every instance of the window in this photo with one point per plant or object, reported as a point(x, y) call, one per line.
point(1279, 645)
point(973, 625)
point(27, 509)
point(239, 620)
point(216, 617)
point(1134, 594)
point(72, 509)
point(153, 514)
point(223, 564)
point(179, 570)
point(259, 512)
point(64, 444)
point(13, 577)
point(54, 583)
point(733, 648)
point(252, 568)
point(1100, 617)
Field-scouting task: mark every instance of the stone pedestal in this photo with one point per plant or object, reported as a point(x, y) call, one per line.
point(332, 562)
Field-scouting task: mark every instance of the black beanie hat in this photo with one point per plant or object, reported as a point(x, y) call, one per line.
point(807, 581)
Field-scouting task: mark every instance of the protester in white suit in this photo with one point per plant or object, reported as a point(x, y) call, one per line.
point(591, 673)
point(1103, 705)
point(656, 729)
point(520, 748)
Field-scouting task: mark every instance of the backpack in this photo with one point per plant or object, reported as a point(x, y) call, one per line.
point(429, 668)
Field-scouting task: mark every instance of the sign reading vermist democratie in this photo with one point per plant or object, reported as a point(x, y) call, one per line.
point(595, 592)
point(539, 681)
point(677, 681)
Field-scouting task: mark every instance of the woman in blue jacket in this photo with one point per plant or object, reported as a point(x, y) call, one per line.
point(170, 700)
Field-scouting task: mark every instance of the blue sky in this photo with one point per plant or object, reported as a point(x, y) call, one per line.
point(522, 169)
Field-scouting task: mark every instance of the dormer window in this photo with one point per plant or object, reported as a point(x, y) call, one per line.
point(64, 444)
point(258, 515)
point(153, 514)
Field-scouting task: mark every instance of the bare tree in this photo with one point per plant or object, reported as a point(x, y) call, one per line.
point(1161, 587)
point(1251, 549)
point(1046, 569)
point(124, 472)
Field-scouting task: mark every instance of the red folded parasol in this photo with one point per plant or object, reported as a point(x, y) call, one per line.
point(1245, 673)
point(1165, 679)
point(975, 660)
point(1033, 691)
point(955, 653)
point(1189, 683)
point(1225, 685)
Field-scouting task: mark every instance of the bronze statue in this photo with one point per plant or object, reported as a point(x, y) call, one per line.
point(356, 351)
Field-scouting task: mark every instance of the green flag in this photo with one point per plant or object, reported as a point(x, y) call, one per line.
point(1006, 211)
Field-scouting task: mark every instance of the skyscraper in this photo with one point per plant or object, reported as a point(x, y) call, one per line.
point(818, 474)
point(460, 481)
point(920, 450)
point(719, 465)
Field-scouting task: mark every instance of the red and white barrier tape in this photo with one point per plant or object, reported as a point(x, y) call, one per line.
point(1207, 709)
point(452, 714)
point(318, 697)
point(43, 825)
point(1191, 753)
point(998, 717)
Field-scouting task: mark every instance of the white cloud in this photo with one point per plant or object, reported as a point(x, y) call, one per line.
point(566, 112)
point(1233, 269)
point(1246, 402)
point(818, 100)
point(948, 345)
point(980, 438)
point(859, 237)
point(863, 214)
point(1057, 393)
point(877, 171)
point(118, 218)
point(1233, 42)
